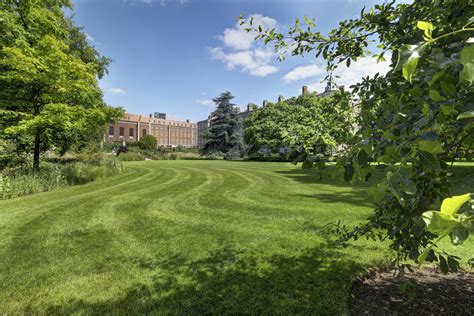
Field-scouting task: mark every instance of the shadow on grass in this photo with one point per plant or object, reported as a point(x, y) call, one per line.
point(232, 282)
point(357, 197)
point(462, 181)
point(330, 176)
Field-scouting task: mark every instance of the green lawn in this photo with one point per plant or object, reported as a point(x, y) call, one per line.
point(181, 237)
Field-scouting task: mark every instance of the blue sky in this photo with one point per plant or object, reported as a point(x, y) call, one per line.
point(174, 56)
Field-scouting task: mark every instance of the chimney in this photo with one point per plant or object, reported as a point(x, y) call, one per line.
point(305, 90)
point(265, 103)
point(237, 109)
point(341, 88)
point(281, 98)
point(249, 107)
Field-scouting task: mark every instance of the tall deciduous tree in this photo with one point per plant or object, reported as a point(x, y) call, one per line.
point(225, 134)
point(310, 124)
point(415, 120)
point(49, 77)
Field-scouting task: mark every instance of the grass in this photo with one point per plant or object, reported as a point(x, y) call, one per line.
point(187, 237)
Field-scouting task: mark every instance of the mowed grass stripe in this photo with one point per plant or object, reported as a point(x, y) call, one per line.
point(185, 237)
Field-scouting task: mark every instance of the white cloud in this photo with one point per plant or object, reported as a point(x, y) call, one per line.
point(115, 91)
point(363, 67)
point(238, 38)
point(304, 72)
point(256, 61)
point(239, 50)
point(208, 103)
point(89, 37)
point(263, 71)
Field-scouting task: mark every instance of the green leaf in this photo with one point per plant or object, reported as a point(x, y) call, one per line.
point(428, 160)
point(431, 146)
point(424, 254)
point(443, 265)
point(376, 193)
point(459, 234)
point(466, 115)
point(467, 60)
point(439, 223)
point(451, 206)
point(435, 96)
point(408, 56)
point(427, 27)
point(448, 89)
point(453, 264)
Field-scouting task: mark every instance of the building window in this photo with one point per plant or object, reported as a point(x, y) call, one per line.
point(111, 130)
point(122, 131)
point(144, 132)
point(130, 133)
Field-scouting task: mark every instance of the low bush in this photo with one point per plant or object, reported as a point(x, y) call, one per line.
point(184, 156)
point(131, 156)
point(214, 155)
point(20, 181)
point(147, 142)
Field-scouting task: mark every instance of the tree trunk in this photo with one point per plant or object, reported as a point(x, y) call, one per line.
point(37, 150)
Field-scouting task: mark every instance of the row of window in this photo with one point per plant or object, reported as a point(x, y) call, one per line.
point(122, 131)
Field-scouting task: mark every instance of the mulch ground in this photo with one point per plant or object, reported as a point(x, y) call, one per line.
point(435, 294)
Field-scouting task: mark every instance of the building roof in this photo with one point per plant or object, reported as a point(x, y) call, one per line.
point(146, 119)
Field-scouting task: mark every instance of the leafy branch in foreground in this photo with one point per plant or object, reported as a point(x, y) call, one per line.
point(448, 222)
point(414, 121)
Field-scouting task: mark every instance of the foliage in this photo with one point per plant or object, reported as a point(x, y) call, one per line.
point(308, 123)
point(147, 142)
point(50, 96)
point(415, 120)
point(131, 156)
point(448, 222)
point(20, 180)
point(226, 131)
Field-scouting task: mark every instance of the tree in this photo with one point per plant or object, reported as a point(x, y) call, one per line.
point(147, 142)
point(415, 120)
point(225, 133)
point(49, 78)
point(310, 125)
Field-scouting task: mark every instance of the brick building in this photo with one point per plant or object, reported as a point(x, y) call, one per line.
point(168, 133)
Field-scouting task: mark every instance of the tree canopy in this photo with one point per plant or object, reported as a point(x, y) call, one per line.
point(49, 78)
point(310, 124)
point(415, 120)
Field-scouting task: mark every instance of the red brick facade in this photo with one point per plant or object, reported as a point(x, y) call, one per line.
point(168, 133)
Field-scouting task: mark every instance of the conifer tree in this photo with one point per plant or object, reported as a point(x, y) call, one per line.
point(225, 135)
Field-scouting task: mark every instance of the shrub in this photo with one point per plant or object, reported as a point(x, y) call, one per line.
point(20, 181)
point(147, 142)
point(214, 155)
point(131, 156)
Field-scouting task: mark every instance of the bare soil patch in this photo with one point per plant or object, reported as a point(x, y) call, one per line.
point(435, 294)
